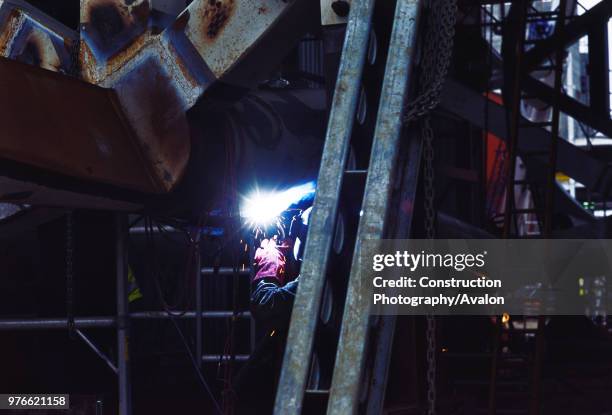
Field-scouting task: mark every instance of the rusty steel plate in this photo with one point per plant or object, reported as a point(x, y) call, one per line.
point(223, 30)
point(112, 31)
point(70, 127)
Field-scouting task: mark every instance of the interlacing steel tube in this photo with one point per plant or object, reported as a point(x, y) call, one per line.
point(296, 361)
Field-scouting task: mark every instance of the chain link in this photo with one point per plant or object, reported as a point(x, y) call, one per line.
point(429, 177)
point(69, 274)
point(436, 57)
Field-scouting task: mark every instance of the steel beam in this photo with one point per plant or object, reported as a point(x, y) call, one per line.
point(580, 26)
point(304, 319)
point(83, 136)
point(595, 117)
point(158, 77)
point(599, 72)
point(351, 354)
point(573, 161)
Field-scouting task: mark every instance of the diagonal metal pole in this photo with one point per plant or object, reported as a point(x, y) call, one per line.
point(96, 350)
point(386, 327)
point(350, 356)
point(296, 361)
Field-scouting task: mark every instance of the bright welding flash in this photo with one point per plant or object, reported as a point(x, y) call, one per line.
point(263, 208)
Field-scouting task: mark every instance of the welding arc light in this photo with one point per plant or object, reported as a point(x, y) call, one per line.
point(262, 208)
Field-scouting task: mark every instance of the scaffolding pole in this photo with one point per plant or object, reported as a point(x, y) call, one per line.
point(123, 360)
point(198, 276)
point(60, 323)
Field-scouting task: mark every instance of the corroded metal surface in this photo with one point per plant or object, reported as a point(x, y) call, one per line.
point(351, 354)
point(159, 76)
point(154, 94)
point(84, 137)
point(112, 32)
point(29, 36)
point(297, 358)
point(223, 30)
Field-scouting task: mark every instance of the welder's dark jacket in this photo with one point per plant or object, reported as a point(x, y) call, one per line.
point(271, 305)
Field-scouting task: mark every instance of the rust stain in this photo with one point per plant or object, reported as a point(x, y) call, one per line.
point(107, 19)
point(87, 61)
point(111, 18)
point(126, 54)
point(181, 65)
point(216, 15)
point(91, 7)
point(12, 26)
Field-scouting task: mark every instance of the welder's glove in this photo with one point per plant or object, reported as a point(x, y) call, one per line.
point(270, 262)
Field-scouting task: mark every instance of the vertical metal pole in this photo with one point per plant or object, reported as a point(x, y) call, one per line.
point(121, 232)
point(198, 319)
point(492, 405)
point(512, 143)
point(599, 81)
point(554, 134)
point(350, 357)
point(99, 406)
point(251, 248)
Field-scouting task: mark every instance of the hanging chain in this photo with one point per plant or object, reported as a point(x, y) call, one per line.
point(430, 218)
point(431, 365)
point(69, 274)
point(436, 57)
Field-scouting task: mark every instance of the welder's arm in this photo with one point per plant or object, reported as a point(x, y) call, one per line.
point(272, 303)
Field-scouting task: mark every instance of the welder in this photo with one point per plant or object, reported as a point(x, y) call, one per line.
point(273, 291)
